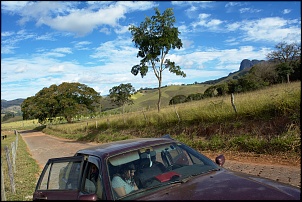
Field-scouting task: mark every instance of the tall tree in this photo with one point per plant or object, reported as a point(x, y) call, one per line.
point(154, 38)
point(287, 56)
point(67, 100)
point(121, 94)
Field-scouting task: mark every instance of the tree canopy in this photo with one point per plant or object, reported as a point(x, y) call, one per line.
point(287, 55)
point(154, 38)
point(66, 100)
point(121, 94)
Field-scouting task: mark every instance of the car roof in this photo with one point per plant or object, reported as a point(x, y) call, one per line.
point(112, 148)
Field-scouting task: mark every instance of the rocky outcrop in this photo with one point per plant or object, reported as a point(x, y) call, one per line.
point(248, 63)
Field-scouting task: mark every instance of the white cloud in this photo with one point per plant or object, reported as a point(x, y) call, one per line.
point(82, 45)
point(6, 34)
point(203, 20)
point(13, 6)
point(286, 11)
point(233, 26)
point(270, 29)
point(249, 10)
point(63, 50)
point(56, 69)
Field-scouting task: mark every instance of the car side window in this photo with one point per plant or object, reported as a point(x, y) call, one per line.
point(92, 181)
point(61, 176)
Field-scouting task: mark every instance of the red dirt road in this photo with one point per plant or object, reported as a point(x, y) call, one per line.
point(43, 146)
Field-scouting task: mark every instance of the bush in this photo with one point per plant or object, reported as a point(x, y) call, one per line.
point(177, 99)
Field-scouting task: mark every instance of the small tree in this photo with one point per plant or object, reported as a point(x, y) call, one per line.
point(177, 99)
point(286, 55)
point(222, 89)
point(121, 94)
point(209, 92)
point(155, 37)
point(284, 70)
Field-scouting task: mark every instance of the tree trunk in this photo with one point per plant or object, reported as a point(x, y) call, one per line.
point(68, 119)
point(159, 99)
point(159, 94)
point(287, 75)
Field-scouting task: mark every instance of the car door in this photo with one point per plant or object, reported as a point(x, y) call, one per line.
point(60, 179)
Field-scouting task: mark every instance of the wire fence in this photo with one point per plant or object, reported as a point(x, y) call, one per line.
point(10, 154)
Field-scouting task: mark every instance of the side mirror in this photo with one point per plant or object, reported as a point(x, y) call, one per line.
point(220, 160)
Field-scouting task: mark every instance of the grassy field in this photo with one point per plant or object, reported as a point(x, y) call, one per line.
point(27, 170)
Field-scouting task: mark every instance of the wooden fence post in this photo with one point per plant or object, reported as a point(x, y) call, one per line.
point(13, 146)
point(17, 134)
point(3, 197)
point(10, 172)
point(233, 104)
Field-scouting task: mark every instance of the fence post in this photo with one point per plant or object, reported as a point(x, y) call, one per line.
point(86, 128)
point(3, 197)
point(13, 146)
point(17, 137)
point(233, 104)
point(10, 172)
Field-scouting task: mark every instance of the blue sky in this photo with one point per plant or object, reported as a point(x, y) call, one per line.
point(50, 42)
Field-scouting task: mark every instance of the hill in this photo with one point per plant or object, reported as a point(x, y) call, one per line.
point(11, 106)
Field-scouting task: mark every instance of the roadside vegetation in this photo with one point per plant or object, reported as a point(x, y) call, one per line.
point(27, 170)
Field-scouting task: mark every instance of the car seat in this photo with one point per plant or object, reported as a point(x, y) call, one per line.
point(167, 158)
point(148, 168)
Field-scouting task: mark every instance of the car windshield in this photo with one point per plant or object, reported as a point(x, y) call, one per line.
point(139, 171)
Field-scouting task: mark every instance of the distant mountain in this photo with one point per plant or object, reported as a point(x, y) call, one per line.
point(6, 104)
point(248, 63)
point(11, 106)
point(244, 68)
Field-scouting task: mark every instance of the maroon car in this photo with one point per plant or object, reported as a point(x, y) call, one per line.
point(164, 169)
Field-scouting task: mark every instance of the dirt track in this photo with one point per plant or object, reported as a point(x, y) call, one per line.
point(43, 147)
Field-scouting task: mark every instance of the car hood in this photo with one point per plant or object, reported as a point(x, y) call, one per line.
point(224, 185)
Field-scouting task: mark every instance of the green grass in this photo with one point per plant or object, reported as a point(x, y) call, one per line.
point(20, 125)
point(27, 170)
